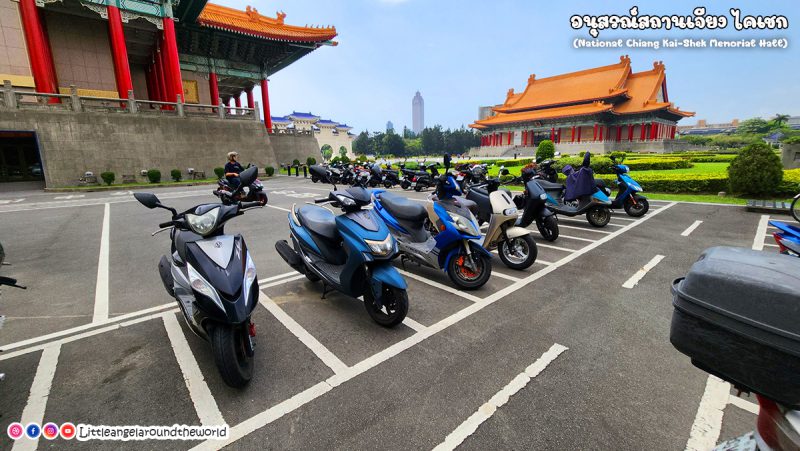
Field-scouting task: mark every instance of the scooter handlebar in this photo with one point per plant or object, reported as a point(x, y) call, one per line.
point(246, 205)
point(165, 224)
point(321, 201)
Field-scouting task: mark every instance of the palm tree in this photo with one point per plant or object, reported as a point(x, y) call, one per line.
point(780, 119)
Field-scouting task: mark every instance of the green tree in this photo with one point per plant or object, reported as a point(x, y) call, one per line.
point(432, 139)
point(545, 150)
point(780, 119)
point(393, 144)
point(343, 152)
point(327, 151)
point(756, 170)
point(755, 125)
point(361, 144)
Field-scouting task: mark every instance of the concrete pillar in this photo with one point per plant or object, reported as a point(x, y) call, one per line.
point(39, 54)
point(119, 52)
point(265, 102)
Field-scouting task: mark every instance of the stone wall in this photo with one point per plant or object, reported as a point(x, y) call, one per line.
point(790, 156)
point(288, 147)
point(71, 143)
point(13, 54)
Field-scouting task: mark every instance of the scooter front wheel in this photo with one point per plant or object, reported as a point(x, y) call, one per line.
point(638, 209)
point(466, 278)
point(387, 185)
point(548, 227)
point(230, 345)
point(262, 198)
point(599, 216)
point(519, 252)
point(393, 306)
point(405, 184)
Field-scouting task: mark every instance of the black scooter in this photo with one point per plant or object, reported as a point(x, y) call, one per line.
point(213, 278)
point(533, 203)
point(9, 282)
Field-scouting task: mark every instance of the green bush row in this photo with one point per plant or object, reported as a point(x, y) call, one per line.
point(601, 165)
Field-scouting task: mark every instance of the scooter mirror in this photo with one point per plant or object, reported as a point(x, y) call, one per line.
point(504, 171)
point(149, 200)
point(247, 176)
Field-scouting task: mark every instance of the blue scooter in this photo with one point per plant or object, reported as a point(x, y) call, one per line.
point(634, 204)
point(787, 237)
point(351, 252)
point(580, 196)
point(445, 235)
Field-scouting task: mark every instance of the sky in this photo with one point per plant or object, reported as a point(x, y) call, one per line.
point(461, 54)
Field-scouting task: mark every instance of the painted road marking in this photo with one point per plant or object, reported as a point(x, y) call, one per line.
point(101, 288)
point(576, 238)
point(278, 411)
point(505, 276)
point(413, 324)
point(484, 412)
point(440, 286)
point(550, 246)
point(771, 245)
point(585, 228)
point(70, 197)
point(204, 403)
point(583, 221)
point(708, 420)
point(77, 329)
point(743, 404)
point(630, 283)
point(691, 228)
point(281, 281)
point(123, 193)
point(278, 208)
point(40, 392)
point(11, 201)
point(323, 353)
point(279, 276)
point(758, 241)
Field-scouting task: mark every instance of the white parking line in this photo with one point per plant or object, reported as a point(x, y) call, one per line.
point(505, 276)
point(771, 245)
point(327, 357)
point(280, 282)
point(40, 392)
point(101, 288)
point(204, 403)
point(743, 404)
point(691, 228)
point(583, 221)
point(758, 241)
point(550, 246)
point(279, 276)
point(278, 208)
point(577, 238)
point(708, 420)
point(413, 324)
point(484, 412)
point(622, 218)
point(73, 330)
point(630, 283)
point(585, 228)
point(268, 416)
point(440, 286)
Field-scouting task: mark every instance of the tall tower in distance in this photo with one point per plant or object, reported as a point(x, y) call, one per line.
point(417, 113)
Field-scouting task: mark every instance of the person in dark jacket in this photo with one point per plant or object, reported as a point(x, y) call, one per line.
point(232, 169)
point(447, 162)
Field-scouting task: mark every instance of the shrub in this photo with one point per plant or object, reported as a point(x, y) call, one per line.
point(756, 170)
point(512, 163)
point(108, 177)
point(344, 159)
point(546, 150)
point(361, 158)
point(310, 161)
point(175, 174)
point(712, 158)
point(219, 172)
point(269, 170)
point(792, 140)
point(154, 175)
point(651, 164)
point(295, 162)
point(620, 156)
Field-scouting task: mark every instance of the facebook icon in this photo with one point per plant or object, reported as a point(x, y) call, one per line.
point(33, 430)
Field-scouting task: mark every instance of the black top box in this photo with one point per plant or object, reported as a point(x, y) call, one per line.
point(737, 315)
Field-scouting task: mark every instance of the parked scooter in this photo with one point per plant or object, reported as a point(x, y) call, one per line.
point(421, 179)
point(391, 177)
point(376, 175)
point(735, 315)
point(213, 278)
point(787, 237)
point(229, 195)
point(8, 281)
point(351, 252)
point(579, 196)
point(546, 171)
point(627, 198)
point(533, 203)
point(441, 235)
point(515, 245)
point(470, 174)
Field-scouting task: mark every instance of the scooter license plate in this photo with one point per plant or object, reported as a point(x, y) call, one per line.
point(413, 184)
point(460, 178)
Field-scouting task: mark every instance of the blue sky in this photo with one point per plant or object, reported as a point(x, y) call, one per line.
point(461, 54)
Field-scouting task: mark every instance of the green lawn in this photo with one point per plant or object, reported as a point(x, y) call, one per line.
point(699, 168)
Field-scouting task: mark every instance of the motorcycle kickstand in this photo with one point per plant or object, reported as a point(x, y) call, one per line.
point(325, 289)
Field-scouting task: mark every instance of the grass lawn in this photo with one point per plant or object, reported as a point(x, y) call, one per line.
point(699, 168)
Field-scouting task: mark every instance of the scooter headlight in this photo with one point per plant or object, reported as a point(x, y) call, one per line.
point(201, 285)
point(203, 224)
point(543, 196)
point(382, 248)
point(345, 201)
point(510, 211)
point(464, 224)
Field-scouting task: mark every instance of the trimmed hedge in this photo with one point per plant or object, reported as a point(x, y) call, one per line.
point(602, 165)
point(108, 177)
point(154, 175)
point(269, 170)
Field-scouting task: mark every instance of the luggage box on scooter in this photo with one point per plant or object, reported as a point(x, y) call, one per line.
point(737, 315)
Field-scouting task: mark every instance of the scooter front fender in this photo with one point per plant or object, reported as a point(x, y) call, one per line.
point(516, 232)
point(454, 250)
point(386, 274)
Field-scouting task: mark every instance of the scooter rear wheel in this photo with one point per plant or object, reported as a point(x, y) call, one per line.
point(262, 198)
point(796, 209)
point(518, 253)
point(405, 184)
point(464, 277)
point(387, 185)
point(393, 306)
point(230, 354)
point(599, 216)
point(638, 209)
point(548, 228)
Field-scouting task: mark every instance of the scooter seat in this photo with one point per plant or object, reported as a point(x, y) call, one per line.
point(481, 191)
point(318, 220)
point(549, 186)
point(403, 208)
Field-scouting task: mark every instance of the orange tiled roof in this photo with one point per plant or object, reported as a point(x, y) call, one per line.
point(251, 23)
point(584, 86)
point(549, 113)
point(643, 89)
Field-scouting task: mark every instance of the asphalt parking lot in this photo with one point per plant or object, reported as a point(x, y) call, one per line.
point(572, 353)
